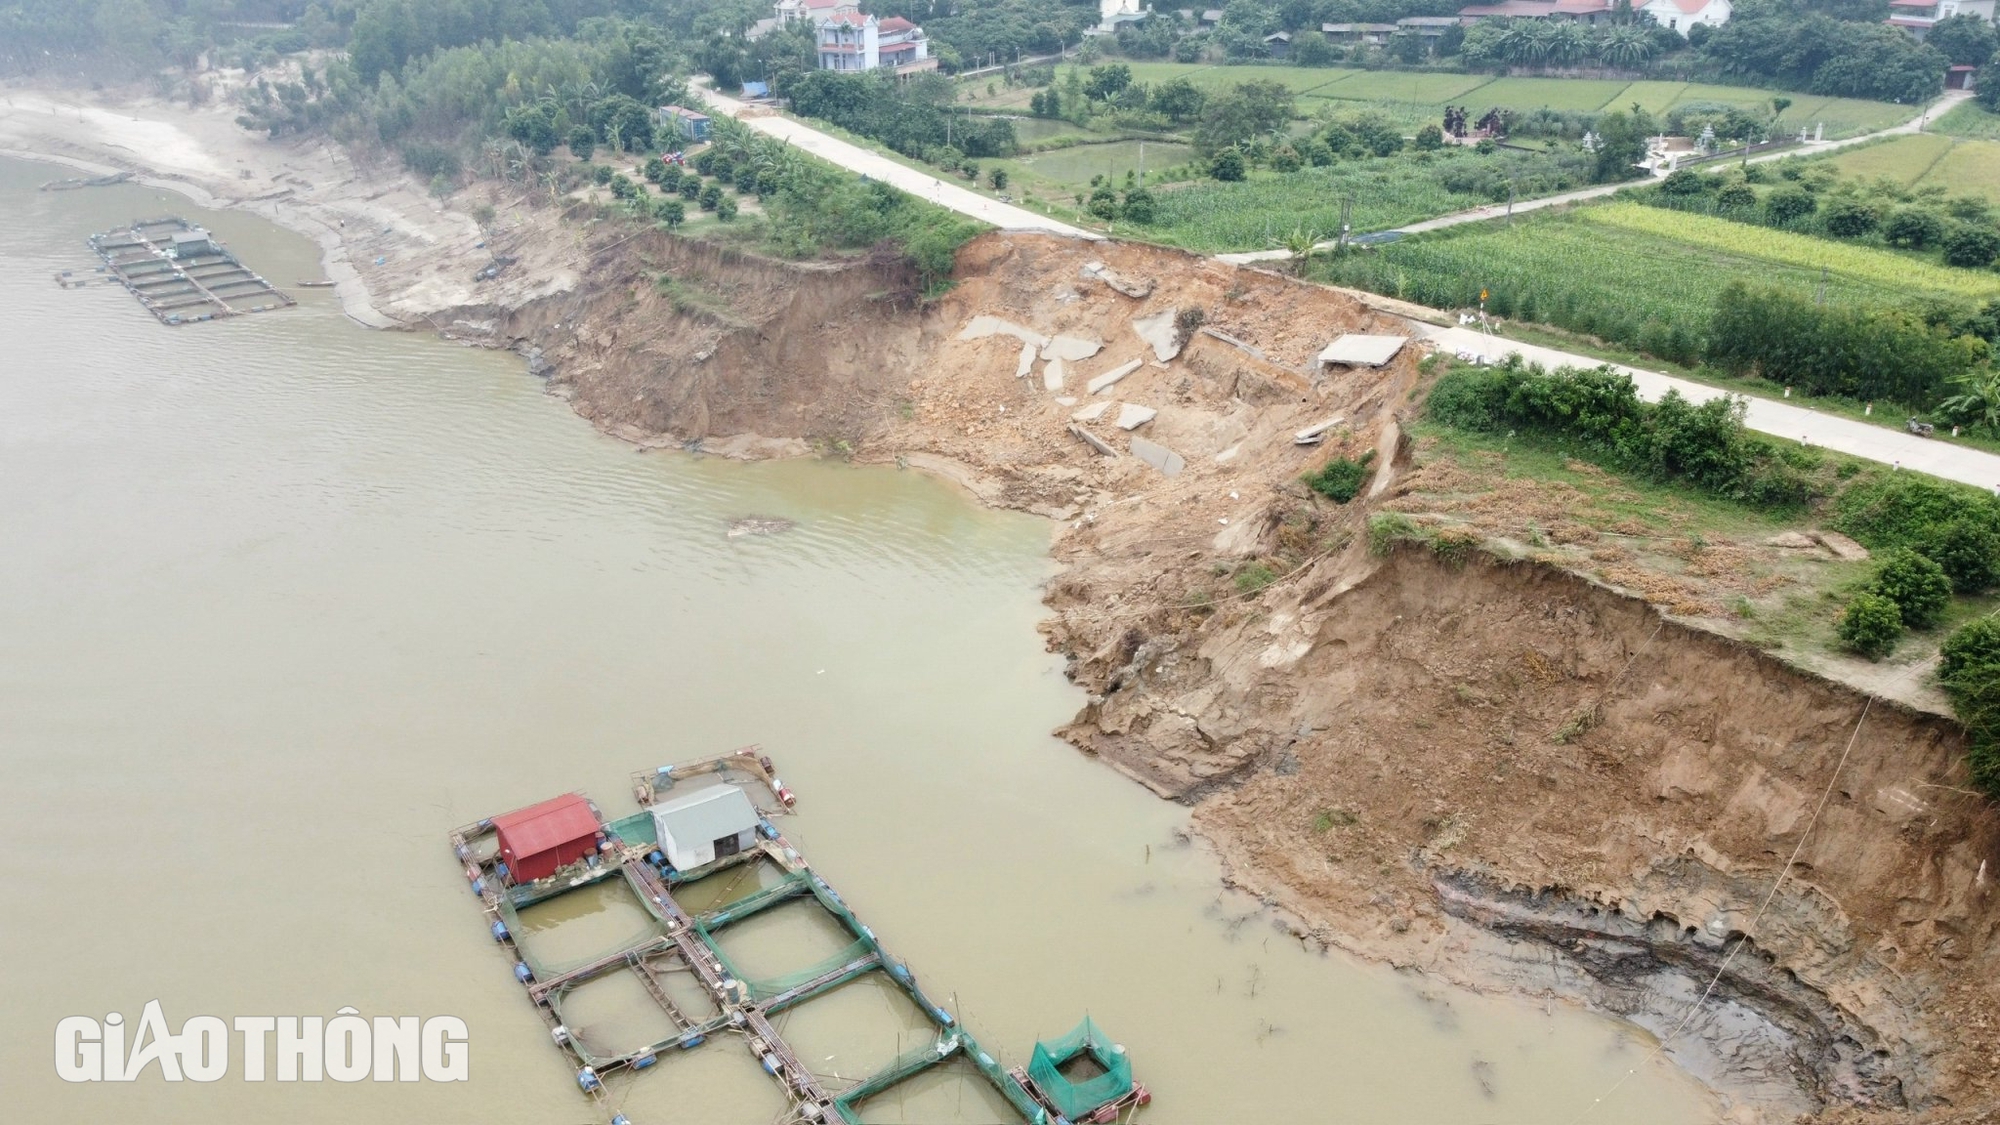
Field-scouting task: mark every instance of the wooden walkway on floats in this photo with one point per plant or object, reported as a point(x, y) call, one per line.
point(687, 948)
point(181, 274)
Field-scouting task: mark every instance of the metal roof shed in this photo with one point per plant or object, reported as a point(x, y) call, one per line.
point(538, 840)
point(1352, 350)
point(706, 825)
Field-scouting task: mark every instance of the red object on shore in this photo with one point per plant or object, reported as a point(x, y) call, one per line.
point(537, 840)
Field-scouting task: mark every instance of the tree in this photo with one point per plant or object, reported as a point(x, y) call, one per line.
point(1107, 81)
point(1972, 247)
point(1788, 205)
point(1430, 138)
point(1310, 48)
point(1685, 182)
point(1139, 206)
point(1871, 626)
point(1241, 113)
point(1621, 145)
point(725, 209)
point(1778, 107)
point(534, 126)
point(1849, 218)
point(1227, 165)
point(1969, 552)
point(1965, 39)
point(1913, 228)
point(998, 178)
point(1977, 402)
point(1409, 48)
point(1987, 86)
point(1179, 99)
point(710, 196)
point(1916, 585)
point(670, 211)
point(582, 142)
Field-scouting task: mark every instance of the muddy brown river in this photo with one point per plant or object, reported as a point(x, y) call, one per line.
point(282, 600)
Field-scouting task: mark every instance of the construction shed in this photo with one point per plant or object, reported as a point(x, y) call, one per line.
point(537, 841)
point(706, 825)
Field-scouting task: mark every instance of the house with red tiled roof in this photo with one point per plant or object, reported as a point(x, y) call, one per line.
point(1681, 15)
point(851, 41)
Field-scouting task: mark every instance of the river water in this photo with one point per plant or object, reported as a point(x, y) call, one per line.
point(283, 600)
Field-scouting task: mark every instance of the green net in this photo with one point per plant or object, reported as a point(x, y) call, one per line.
point(638, 830)
point(1077, 1098)
point(763, 988)
point(544, 967)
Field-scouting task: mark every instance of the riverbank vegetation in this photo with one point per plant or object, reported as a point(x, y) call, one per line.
point(1691, 484)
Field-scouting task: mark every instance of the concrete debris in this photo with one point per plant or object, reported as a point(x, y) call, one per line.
point(1246, 349)
point(1314, 434)
point(1092, 412)
point(1065, 400)
point(1137, 290)
point(1160, 332)
point(1027, 362)
point(1071, 348)
point(1228, 455)
point(1092, 440)
point(1792, 541)
point(1131, 416)
point(1110, 378)
point(1356, 350)
point(1052, 375)
point(1158, 456)
point(981, 327)
point(1843, 548)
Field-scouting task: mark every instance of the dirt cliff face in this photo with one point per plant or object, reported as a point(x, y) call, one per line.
point(1495, 771)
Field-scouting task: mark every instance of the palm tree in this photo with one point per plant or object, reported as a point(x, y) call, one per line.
point(1978, 400)
point(1625, 47)
point(1302, 243)
point(1518, 44)
point(1568, 43)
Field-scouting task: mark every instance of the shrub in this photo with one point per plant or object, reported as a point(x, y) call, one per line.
point(1862, 352)
point(1916, 584)
point(1871, 626)
point(1736, 196)
point(1255, 577)
point(1139, 206)
point(1913, 228)
point(725, 209)
point(1969, 552)
point(670, 178)
point(1340, 479)
point(1788, 205)
point(670, 211)
point(711, 196)
point(1849, 218)
point(1894, 510)
point(1227, 165)
point(1969, 672)
point(690, 187)
point(655, 169)
point(582, 142)
point(1971, 247)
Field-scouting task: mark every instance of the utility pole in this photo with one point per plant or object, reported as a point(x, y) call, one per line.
point(1346, 209)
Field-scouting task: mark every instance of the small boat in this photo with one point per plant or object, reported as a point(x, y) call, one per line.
point(315, 284)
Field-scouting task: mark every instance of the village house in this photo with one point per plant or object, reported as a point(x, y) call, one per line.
point(1918, 16)
point(1278, 44)
point(851, 42)
point(684, 124)
point(1376, 33)
point(1675, 15)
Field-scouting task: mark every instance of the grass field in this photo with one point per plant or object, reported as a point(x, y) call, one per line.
point(1904, 160)
point(1255, 214)
point(1967, 119)
point(1416, 97)
point(1960, 166)
point(1581, 95)
point(1610, 270)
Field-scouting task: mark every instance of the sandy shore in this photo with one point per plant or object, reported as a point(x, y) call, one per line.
point(395, 254)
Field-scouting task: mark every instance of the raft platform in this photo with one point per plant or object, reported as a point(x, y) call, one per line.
point(180, 273)
point(685, 953)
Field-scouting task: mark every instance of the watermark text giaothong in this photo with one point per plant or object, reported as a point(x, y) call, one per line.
point(346, 1048)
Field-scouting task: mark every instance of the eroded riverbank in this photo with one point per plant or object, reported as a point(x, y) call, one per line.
point(1475, 851)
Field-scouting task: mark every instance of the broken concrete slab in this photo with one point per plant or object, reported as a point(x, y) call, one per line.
point(1137, 290)
point(1355, 350)
point(1110, 378)
point(1843, 548)
point(1131, 416)
point(980, 327)
point(1071, 348)
point(1160, 333)
point(1092, 412)
point(1052, 375)
point(1092, 440)
point(1316, 433)
point(1065, 400)
point(1027, 362)
point(1792, 541)
point(1158, 456)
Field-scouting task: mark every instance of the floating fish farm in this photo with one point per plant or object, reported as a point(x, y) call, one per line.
point(180, 273)
point(696, 820)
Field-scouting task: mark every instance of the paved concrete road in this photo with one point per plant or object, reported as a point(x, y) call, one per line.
point(1775, 417)
point(1006, 216)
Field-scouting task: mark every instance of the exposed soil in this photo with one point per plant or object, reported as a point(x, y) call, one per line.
point(1499, 771)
